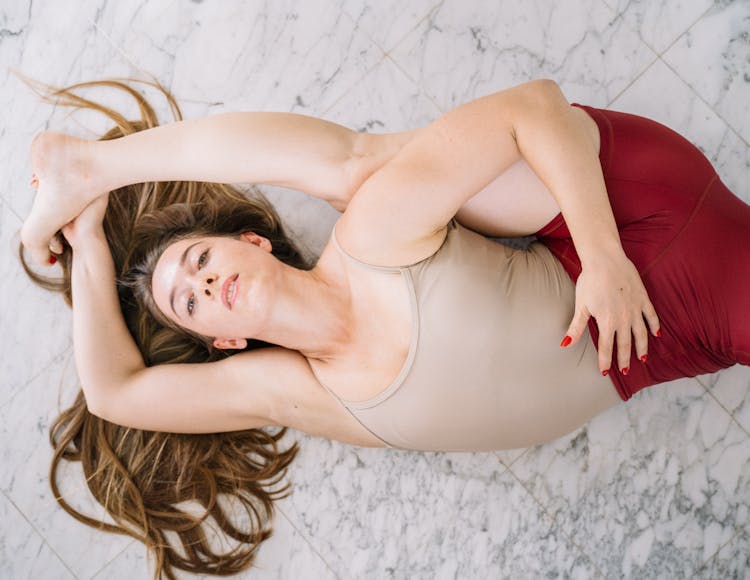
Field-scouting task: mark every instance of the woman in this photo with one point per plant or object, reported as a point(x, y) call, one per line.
point(426, 335)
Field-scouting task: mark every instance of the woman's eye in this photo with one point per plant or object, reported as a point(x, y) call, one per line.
point(202, 259)
point(191, 305)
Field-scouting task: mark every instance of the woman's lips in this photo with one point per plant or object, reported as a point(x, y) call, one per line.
point(230, 286)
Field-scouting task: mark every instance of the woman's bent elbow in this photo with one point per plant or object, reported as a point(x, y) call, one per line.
point(95, 406)
point(547, 89)
point(103, 407)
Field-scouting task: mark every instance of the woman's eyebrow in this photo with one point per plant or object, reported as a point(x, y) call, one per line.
point(182, 265)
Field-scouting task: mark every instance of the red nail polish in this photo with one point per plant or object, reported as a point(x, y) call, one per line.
point(644, 357)
point(52, 260)
point(658, 333)
point(566, 341)
point(605, 373)
point(625, 370)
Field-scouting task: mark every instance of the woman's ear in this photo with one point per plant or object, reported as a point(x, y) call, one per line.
point(253, 238)
point(227, 343)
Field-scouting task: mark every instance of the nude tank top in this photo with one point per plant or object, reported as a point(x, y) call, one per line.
point(487, 320)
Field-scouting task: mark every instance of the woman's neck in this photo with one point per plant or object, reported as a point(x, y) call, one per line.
point(310, 312)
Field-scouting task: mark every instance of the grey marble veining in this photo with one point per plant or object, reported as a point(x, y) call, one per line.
point(464, 50)
point(291, 56)
point(655, 488)
point(419, 515)
point(659, 24)
point(714, 58)
point(366, 107)
point(23, 552)
point(26, 456)
point(388, 21)
point(731, 388)
point(43, 31)
point(38, 337)
point(732, 561)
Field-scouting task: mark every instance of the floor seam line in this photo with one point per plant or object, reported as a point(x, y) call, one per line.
point(36, 531)
point(307, 540)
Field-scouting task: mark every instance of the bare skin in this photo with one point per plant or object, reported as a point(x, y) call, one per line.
point(65, 184)
point(66, 165)
point(377, 312)
point(73, 172)
point(340, 354)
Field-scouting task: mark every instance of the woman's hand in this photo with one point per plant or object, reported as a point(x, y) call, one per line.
point(610, 289)
point(66, 182)
point(87, 225)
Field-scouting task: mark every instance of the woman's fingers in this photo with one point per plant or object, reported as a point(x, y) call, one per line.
point(606, 340)
point(624, 336)
point(624, 342)
point(640, 333)
point(55, 245)
point(576, 328)
point(617, 299)
point(653, 320)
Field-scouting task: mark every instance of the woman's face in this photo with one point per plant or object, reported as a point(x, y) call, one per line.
point(216, 286)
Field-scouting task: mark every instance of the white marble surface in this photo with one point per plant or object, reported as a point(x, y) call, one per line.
point(657, 488)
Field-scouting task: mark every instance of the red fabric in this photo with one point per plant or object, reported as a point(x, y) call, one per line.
point(688, 236)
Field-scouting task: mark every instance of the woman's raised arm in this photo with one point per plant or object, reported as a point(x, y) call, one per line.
point(227, 395)
point(317, 157)
point(271, 386)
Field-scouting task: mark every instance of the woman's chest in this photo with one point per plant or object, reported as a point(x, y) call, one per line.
point(383, 314)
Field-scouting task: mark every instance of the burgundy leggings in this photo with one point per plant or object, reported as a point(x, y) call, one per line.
point(688, 236)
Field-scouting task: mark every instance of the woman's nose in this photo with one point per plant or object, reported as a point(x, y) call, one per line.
point(210, 285)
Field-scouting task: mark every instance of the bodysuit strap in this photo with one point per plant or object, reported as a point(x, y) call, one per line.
point(348, 410)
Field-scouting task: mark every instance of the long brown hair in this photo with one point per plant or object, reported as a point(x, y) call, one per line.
point(142, 477)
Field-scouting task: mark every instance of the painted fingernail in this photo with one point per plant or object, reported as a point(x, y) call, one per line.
point(605, 373)
point(658, 333)
point(644, 357)
point(52, 260)
point(34, 180)
point(625, 370)
point(566, 341)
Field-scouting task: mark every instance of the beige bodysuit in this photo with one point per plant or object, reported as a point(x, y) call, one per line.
point(487, 321)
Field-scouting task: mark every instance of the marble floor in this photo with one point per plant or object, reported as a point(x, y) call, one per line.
point(657, 488)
